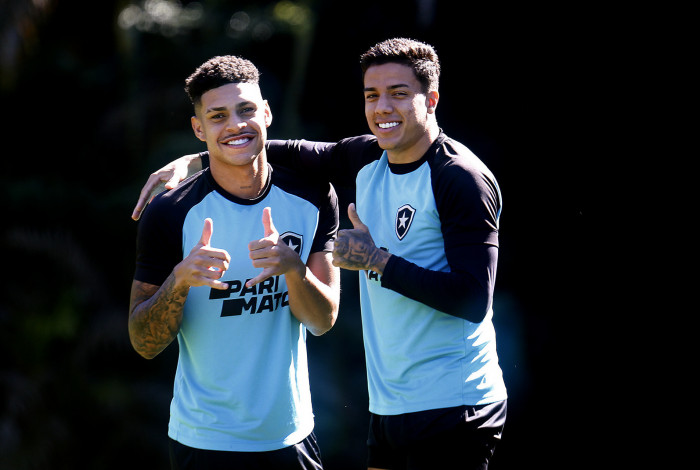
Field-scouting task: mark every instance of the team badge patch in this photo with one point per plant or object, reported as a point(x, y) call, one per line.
point(404, 218)
point(293, 240)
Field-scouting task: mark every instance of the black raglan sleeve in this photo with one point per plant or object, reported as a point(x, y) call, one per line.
point(158, 248)
point(469, 205)
point(336, 162)
point(328, 221)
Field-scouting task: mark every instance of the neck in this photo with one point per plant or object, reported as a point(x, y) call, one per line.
point(245, 182)
point(417, 150)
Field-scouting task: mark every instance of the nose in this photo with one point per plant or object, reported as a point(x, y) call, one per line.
point(383, 105)
point(235, 123)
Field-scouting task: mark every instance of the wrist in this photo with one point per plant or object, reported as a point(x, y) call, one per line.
point(378, 260)
point(297, 270)
point(178, 279)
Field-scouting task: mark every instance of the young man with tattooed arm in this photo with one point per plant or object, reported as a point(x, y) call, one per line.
point(425, 241)
point(240, 298)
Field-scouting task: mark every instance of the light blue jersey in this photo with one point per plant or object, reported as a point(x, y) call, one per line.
point(427, 320)
point(242, 378)
point(418, 357)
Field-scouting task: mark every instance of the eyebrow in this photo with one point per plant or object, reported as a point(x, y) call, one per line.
point(224, 108)
point(220, 108)
point(392, 87)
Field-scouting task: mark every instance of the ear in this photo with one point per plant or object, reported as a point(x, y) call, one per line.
point(197, 128)
point(268, 114)
point(432, 99)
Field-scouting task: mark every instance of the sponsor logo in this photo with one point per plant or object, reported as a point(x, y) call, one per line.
point(267, 296)
point(238, 299)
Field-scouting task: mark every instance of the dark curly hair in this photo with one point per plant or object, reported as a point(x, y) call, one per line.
point(421, 57)
point(219, 71)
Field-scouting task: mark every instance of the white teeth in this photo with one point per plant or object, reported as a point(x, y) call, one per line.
point(240, 141)
point(387, 125)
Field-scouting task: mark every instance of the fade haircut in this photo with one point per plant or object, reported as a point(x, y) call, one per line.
point(219, 71)
point(421, 57)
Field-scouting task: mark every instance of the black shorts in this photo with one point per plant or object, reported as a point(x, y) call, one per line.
point(302, 456)
point(461, 437)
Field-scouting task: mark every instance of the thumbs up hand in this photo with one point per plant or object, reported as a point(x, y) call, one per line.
point(268, 253)
point(354, 249)
point(205, 265)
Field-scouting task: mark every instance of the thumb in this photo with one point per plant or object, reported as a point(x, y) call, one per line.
point(355, 219)
point(267, 222)
point(207, 232)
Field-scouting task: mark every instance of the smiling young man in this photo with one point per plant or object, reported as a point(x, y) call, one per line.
point(425, 240)
point(239, 299)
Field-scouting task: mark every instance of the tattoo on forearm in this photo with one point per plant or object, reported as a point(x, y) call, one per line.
point(156, 319)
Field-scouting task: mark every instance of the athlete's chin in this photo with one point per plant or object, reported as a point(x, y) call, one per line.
point(237, 159)
point(384, 142)
point(242, 161)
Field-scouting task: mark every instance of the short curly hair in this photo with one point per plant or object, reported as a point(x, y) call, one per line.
point(219, 71)
point(421, 57)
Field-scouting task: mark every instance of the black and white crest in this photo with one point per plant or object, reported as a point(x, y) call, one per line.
point(293, 240)
point(404, 218)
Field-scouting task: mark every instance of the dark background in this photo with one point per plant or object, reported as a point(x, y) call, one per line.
point(93, 102)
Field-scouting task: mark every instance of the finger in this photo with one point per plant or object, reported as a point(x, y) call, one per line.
point(207, 261)
point(267, 222)
point(258, 279)
point(355, 219)
point(143, 200)
point(136, 213)
point(177, 174)
point(147, 193)
point(218, 285)
point(213, 271)
point(212, 259)
point(256, 246)
point(173, 182)
point(213, 283)
point(207, 232)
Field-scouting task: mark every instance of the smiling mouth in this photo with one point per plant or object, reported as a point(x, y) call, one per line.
point(387, 125)
point(237, 141)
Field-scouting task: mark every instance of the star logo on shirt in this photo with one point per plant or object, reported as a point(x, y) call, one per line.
point(293, 241)
point(404, 218)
